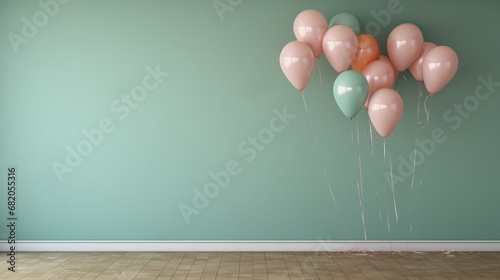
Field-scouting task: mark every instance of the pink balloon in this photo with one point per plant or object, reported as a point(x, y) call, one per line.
point(416, 68)
point(385, 110)
point(339, 45)
point(404, 44)
point(386, 59)
point(297, 62)
point(439, 66)
point(309, 27)
point(379, 74)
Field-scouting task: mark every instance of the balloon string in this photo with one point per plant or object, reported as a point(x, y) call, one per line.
point(308, 117)
point(399, 83)
point(420, 93)
point(419, 124)
point(362, 213)
point(359, 155)
point(371, 134)
point(387, 215)
point(315, 141)
point(319, 71)
point(360, 193)
point(418, 192)
point(414, 161)
point(411, 223)
point(378, 203)
point(427, 111)
point(330, 187)
point(360, 184)
point(352, 131)
point(393, 191)
point(384, 148)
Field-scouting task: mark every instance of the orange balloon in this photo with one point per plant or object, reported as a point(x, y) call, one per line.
point(368, 51)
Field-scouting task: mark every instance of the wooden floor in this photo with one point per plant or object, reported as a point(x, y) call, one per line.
point(204, 265)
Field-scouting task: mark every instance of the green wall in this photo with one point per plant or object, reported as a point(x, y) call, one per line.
point(224, 85)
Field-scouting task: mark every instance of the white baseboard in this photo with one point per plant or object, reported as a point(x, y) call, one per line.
point(246, 246)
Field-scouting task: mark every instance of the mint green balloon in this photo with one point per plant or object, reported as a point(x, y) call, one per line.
point(350, 91)
point(346, 19)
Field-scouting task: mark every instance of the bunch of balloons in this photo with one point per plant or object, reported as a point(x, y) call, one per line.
point(371, 78)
